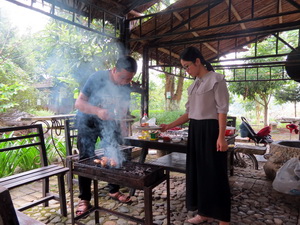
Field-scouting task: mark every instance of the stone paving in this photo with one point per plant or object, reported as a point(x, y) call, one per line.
point(253, 202)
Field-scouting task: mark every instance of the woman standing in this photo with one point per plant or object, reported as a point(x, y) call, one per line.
point(207, 186)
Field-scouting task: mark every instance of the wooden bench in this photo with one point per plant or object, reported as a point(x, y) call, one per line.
point(31, 139)
point(176, 161)
point(8, 214)
point(251, 151)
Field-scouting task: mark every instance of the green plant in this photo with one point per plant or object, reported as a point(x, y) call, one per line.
point(59, 150)
point(8, 94)
point(17, 160)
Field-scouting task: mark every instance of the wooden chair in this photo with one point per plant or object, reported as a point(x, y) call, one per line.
point(70, 136)
point(32, 138)
point(8, 214)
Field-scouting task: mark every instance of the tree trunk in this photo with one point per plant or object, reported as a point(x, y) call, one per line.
point(265, 104)
point(295, 107)
point(178, 94)
point(169, 90)
point(266, 116)
point(173, 97)
point(258, 110)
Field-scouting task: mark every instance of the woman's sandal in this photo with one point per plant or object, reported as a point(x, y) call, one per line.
point(199, 219)
point(82, 207)
point(119, 196)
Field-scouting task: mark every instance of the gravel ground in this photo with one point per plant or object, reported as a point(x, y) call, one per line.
point(253, 202)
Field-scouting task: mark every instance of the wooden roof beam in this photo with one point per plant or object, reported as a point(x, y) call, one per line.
point(197, 15)
point(169, 53)
point(237, 16)
point(180, 18)
point(258, 31)
point(280, 10)
point(135, 13)
point(164, 50)
point(135, 4)
point(294, 3)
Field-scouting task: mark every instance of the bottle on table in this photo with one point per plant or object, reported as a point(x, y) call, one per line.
point(144, 120)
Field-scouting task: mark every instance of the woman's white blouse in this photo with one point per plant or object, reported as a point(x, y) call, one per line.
point(208, 96)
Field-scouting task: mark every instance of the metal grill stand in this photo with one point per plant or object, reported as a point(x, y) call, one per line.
point(93, 173)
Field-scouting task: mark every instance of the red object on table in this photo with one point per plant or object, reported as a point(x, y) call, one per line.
point(166, 139)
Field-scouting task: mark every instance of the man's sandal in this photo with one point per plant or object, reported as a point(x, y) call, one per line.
point(199, 219)
point(119, 196)
point(82, 207)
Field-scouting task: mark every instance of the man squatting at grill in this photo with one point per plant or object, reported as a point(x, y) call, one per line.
point(105, 96)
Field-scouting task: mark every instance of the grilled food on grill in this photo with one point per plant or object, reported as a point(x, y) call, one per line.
point(98, 161)
point(113, 163)
point(106, 162)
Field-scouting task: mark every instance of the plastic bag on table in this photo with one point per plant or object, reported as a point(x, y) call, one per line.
point(287, 178)
point(152, 122)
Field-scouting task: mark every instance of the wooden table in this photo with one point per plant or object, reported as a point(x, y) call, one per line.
point(176, 157)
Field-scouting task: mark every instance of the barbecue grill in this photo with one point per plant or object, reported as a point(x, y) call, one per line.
point(129, 174)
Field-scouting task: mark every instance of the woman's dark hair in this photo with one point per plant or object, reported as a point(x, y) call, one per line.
point(191, 54)
point(128, 63)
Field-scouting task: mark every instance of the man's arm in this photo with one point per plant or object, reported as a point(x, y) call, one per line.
point(84, 106)
point(181, 120)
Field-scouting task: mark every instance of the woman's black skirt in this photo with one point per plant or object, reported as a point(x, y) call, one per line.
point(207, 186)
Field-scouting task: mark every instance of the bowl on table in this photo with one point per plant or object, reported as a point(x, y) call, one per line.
point(176, 139)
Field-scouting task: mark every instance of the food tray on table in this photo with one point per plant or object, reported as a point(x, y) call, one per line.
point(149, 128)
